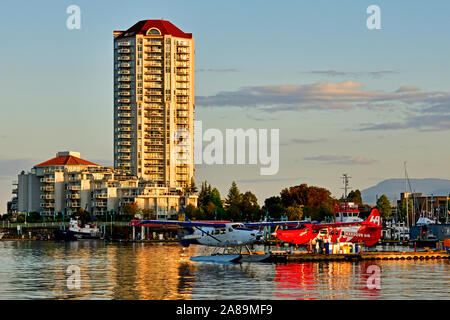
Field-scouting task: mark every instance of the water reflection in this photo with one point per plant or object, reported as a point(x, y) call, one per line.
point(37, 270)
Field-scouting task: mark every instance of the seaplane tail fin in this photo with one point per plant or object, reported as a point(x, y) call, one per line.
point(184, 214)
point(374, 218)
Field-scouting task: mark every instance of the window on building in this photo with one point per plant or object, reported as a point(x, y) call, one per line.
point(153, 32)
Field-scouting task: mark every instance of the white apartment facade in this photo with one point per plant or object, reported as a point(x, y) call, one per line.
point(68, 183)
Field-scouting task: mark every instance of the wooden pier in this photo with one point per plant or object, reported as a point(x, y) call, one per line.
point(285, 256)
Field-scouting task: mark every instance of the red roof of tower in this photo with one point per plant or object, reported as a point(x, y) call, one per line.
point(166, 27)
point(66, 160)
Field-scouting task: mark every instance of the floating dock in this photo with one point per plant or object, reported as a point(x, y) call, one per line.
point(285, 256)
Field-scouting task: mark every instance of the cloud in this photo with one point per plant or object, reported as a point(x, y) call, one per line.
point(430, 122)
point(421, 110)
point(295, 141)
point(341, 159)
point(334, 73)
point(407, 89)
point(434, 115)
point(216, 70)
point(259, 117)
point(344, 95)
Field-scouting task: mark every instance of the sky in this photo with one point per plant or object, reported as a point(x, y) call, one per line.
point(345, 99)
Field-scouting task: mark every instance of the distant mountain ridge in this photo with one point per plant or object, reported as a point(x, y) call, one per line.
point(393, 187)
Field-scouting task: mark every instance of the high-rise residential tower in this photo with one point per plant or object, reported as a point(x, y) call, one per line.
point(154, 102)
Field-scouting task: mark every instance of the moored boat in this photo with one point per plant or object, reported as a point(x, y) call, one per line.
point(76, 231)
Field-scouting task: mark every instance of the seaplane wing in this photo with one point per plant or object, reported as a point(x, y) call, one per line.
point(276, 223)
point(334, 225)
point(181, 223)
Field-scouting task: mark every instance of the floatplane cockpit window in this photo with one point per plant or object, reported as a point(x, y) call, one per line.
point(237, 226)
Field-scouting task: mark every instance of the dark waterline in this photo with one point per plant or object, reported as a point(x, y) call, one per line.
point(38, 270)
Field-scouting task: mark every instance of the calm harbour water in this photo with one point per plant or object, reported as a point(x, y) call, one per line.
point(37, 270)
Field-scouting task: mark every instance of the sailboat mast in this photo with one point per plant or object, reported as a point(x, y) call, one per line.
point(406, 197)
point(446, 210)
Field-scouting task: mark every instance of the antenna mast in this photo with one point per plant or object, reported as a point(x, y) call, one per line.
point(345, 180)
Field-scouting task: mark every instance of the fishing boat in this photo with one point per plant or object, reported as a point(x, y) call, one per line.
point(76, 231)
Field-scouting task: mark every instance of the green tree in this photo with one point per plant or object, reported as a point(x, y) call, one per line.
point(217, 201)
point(192, 212)
point(192, 187)
point(274, 206)
point(355, 196)
point(233, 200)
point(294, 212)
point(204, 195)
point(148, 213)
point(234, 195)
point(384, 206)
point(319, 213)
point(306, 196)
point(131, 209)
point(82, 215)
point(249, 207)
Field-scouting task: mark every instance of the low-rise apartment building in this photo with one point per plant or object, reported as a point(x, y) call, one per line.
point(68, 183)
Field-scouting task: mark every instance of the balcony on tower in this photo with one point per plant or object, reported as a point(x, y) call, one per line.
point(124, 43)
point(182, 43)
point(153, 64)
point(152, 99)
point(150, 92)
point(151, 57)
point(124, 136)
point(151, 42)
point(48, 188)
point(153, 49)
point(183, 57)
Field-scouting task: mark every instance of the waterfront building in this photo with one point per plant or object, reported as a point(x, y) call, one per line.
point(69, 183)
point(154, 103)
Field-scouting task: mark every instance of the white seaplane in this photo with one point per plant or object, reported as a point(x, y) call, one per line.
point(232, 237)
